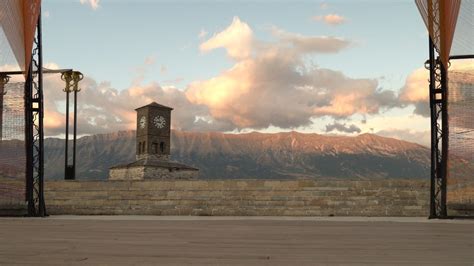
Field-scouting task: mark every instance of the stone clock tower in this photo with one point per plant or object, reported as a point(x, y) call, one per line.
point(153, 149)
point(153, 131)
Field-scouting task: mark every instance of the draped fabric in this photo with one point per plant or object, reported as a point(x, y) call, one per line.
point(441, 17)
point(18, 19)
point(461, 139)
point(463, 41)
point(31, 11)
point(11, 22)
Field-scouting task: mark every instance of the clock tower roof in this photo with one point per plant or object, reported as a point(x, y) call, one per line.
point(156, 105)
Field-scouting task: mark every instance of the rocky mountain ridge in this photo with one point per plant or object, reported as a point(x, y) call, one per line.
point(255, 155)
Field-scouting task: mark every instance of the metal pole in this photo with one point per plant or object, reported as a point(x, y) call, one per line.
point(29, 143)
point(75, 134)
point(432, 87)
point(42, 207)
point(445, 140)
point(67, 137)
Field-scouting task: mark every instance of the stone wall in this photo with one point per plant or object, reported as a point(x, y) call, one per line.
point(240, 197)
point(12, 197)
point(460, 199)
point(144, 172)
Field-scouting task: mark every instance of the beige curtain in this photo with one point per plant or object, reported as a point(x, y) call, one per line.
point(440, 17)
point(18, 20)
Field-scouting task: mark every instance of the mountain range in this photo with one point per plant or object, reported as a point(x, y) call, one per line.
point(289, 155)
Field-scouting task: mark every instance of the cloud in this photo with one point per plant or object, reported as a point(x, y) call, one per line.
point(271, 84)
point(421, 137)
point(416, 88)
point(324, 6)
point(348, 96)
point(416, 92)
point(236, 39)
point(311, 44)
point(174, 81)
point(141, 70)
point(330, 19)
point(102, 108)
point(342, 128)
point(94, 4)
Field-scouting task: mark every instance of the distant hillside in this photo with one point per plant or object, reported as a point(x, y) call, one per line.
point(255, 155)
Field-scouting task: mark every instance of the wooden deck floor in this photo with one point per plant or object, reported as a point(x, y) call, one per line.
point(235, 241)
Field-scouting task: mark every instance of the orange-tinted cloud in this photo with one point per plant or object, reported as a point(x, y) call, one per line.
point(310, 44)
point(236, 39)
point(331, 19)
point(102, 108)
point(271, 85)
point(416, 91)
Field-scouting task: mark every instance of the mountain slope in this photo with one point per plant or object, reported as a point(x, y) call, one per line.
point(255, 155)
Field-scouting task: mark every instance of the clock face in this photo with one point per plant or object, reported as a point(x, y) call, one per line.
point(159, 121)
point(142, 122)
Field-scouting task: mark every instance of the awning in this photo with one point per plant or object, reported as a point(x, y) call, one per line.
point(18, 19)
point(450, 24)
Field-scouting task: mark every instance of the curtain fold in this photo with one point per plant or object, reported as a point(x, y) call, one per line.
point(18, 19)
point(440, 17)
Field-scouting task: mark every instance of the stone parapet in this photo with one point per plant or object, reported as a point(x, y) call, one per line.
point(240, 197)
point(154, 169)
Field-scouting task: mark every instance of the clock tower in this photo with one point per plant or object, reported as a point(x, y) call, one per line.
point(153, 131)
point(153, 149)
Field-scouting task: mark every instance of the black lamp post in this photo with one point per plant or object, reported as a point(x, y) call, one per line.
point(72, 79)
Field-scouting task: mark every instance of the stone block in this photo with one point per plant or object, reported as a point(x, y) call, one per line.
point(238, 197)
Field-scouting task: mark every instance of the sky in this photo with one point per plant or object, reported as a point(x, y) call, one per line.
point(328, 67)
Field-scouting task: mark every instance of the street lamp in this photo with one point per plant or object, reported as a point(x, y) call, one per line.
point(71, 78)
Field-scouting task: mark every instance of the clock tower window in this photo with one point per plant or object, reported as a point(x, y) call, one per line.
point(162, 147)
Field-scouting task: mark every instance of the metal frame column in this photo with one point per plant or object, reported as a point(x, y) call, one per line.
point(438, 90)
point(34, 134)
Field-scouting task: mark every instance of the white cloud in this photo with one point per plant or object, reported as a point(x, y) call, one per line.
point(94, 4)
point(420, 137)
point(331, 19)
point(236, 39)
